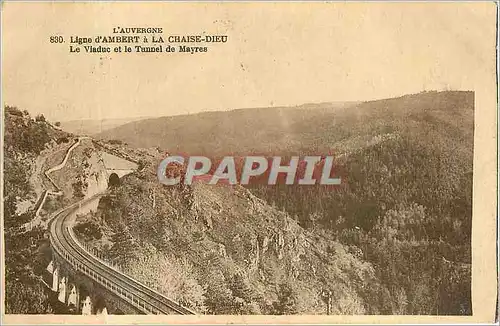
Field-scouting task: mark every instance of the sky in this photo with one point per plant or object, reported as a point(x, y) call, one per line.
point(277, 54)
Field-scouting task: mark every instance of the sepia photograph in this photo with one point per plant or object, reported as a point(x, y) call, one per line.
point(249, 159)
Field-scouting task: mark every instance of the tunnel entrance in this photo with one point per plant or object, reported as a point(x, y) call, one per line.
point(114, 180)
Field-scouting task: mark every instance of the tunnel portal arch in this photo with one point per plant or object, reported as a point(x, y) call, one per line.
point(114, 180)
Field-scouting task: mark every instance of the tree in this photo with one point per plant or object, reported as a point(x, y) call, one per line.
point(61, 140)
point(288, 300)
point(90, 230)
point(219, 298)
point(78, 189)
point(124, 246)
point(25, 297)
point(13, 110)
point(141, 164)
point(58, 124)
point(24, 293)
point(40, 118)
point(240, 288)
point(172, 276)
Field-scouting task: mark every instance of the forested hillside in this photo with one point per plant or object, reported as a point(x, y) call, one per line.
point(406, 199)
point(221, 250)
point(25, 140)
point(393, 238)
point(405, 203)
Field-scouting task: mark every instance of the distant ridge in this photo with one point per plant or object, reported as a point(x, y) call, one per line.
point(90, 127)
point(308, 127)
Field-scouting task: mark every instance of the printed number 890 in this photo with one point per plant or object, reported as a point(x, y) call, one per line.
point(56, 39)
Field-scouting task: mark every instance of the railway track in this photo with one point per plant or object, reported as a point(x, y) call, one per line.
point(139, 295)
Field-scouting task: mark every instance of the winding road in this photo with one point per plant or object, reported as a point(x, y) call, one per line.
point(68, 248)
point(37, 220)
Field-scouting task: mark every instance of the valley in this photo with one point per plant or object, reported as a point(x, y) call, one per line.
point(394, 238)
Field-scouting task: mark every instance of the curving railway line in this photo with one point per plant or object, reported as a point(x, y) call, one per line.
point(68, 248)
point(65, 244)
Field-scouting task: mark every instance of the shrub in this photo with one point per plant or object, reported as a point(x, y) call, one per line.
point(90, 230)
point(40, 118)
point(13, 110)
